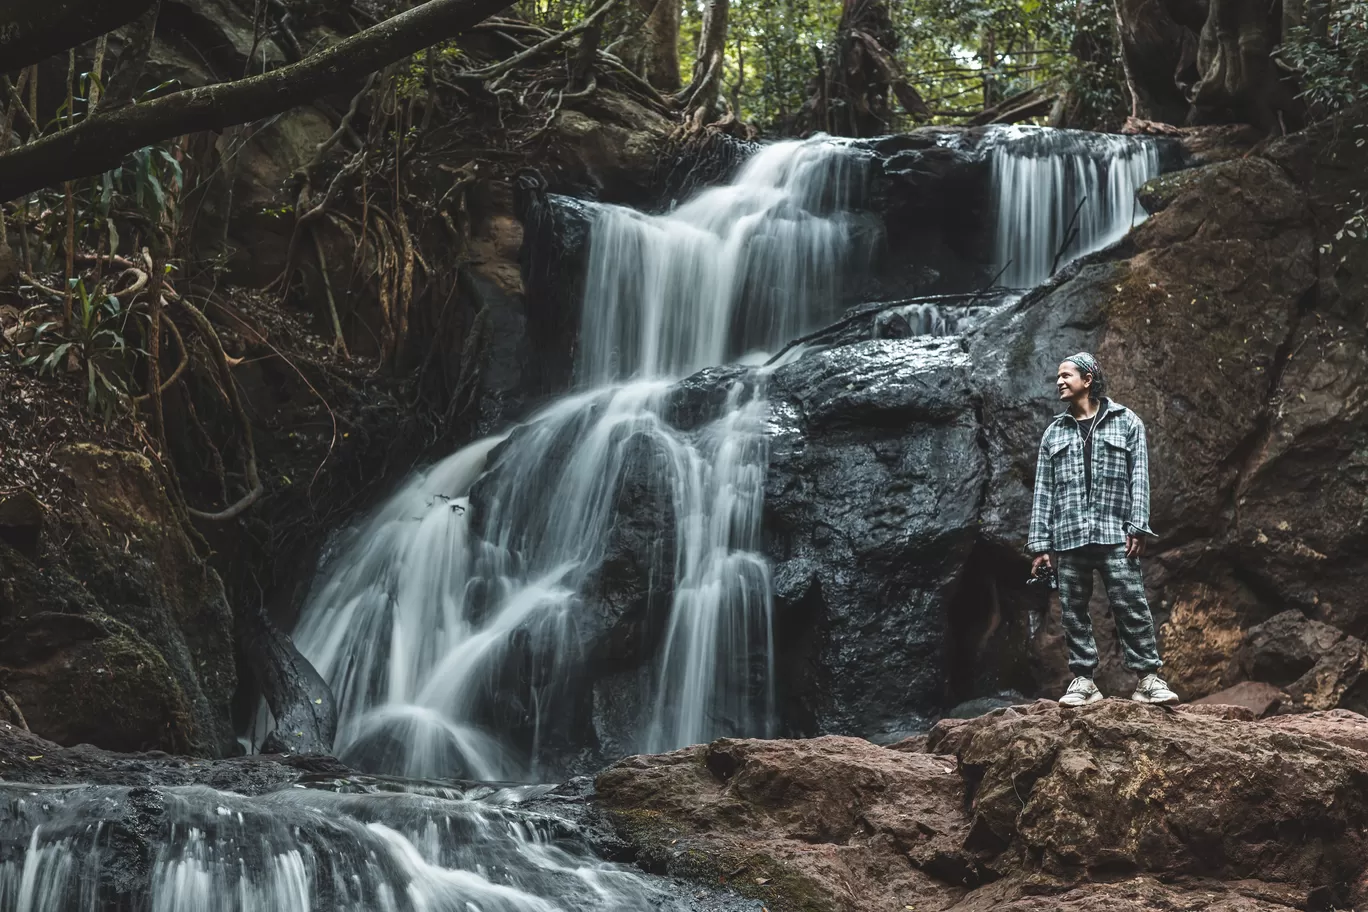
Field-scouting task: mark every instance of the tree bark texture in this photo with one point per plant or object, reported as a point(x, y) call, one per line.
point(101, 142)
point(1238, 78)
point(1159, 55)
point(851, 95)
point(1208, 61)
point(705, 88)
point(661, 46)
point(33, 30)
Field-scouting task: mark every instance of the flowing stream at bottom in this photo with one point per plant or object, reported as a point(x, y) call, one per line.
point(194, 849)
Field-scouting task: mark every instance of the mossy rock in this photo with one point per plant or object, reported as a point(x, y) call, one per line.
point(92, 679)
point(1156, 194)
point(135, 599)
point(664, 847)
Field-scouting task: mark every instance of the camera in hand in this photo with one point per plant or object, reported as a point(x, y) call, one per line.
point(1046, 575)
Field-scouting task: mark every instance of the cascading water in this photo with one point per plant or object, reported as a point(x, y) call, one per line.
point(1060, 194)
point(449, 637)
point(194, 849)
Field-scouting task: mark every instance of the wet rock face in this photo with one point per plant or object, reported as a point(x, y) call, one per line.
point(1116, 805)
point(119, 635)
point(875, 478)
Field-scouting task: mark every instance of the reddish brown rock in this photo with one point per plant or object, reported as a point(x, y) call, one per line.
point(1228, 711)
point(1119, 785)
point(1339, 726)
point(1260, 699)
point(1132, 894)
point(831, 823)
point(1112, 806)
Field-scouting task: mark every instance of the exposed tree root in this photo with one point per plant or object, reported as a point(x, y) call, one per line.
point(211, 337)
point(184, 361)
point(339, 343)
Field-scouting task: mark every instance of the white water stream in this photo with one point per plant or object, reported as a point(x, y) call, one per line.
point(1053, 185)
point(417, 619)
point(194, 849)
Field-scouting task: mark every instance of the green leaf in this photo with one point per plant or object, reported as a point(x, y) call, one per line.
point(54, 360)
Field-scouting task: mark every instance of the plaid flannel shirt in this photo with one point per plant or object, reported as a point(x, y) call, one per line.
point(1063, 515)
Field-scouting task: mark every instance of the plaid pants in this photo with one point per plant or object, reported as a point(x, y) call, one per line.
point(1126, 593)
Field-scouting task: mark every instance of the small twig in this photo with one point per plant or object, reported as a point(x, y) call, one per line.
point(991, 284)
point(180, 368)
point(15, 712)
point(1069, 234)
point(339, 343)
point(406, 282)
point(827, 330)
point(244, 424)
point(345, 125)
point(504, 66)
point(39, 286)
point(305, 218)
point(14, 106)
point(247, 327)
point(17, 101)
point(70, 254)
point(113, 260)
point(96, 75)
point(154, 384)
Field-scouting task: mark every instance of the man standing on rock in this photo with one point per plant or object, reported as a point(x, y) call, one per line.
point(1091, 511)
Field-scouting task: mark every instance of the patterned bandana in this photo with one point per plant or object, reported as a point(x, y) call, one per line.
point(1086, 362)
point(1088, 365)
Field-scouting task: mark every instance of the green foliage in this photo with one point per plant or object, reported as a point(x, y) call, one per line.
point(96, 344)
point(959, 54)
point(1331, 59)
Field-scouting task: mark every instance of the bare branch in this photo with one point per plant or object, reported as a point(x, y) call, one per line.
point(100, 143)
point(33, 30)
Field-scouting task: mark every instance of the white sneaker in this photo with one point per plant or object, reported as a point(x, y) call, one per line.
point(1082, 690)
point(1152, 689)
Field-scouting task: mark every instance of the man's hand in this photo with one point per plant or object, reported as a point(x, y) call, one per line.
point(1135, 545)
point(1041, 561)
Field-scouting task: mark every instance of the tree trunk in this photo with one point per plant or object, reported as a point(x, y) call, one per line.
point(851, 93)
point(100, 143)
point(1208, 61)
point(33, 30)
point(660, 50)
point(1154, 48)
point(705, 89)
point(1238, 78)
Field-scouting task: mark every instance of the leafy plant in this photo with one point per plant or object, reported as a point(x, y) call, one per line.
point(95, 344)
point(1331, 57)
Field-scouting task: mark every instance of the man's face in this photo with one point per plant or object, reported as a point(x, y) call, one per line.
point(1072, 386)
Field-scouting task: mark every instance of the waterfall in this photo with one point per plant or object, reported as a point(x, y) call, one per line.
point(1050, 186)
point(740, 268)
point(456, 643)
point(91, 848)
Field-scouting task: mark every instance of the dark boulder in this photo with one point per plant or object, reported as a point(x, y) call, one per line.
point(118, 634)
point(875, 479)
